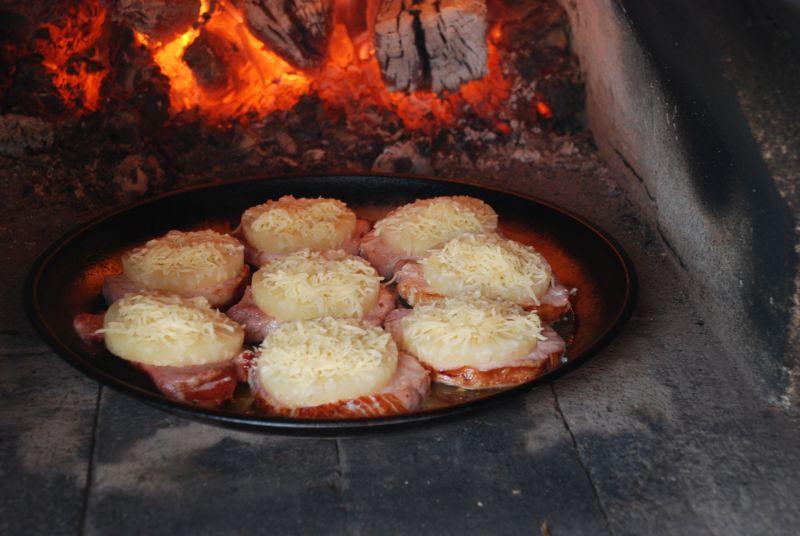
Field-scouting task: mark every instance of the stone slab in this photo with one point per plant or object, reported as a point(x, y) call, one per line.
point(48, 408)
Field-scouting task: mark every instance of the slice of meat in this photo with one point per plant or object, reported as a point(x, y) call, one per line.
point(404, 393)
point(393, 325)
point(543, 358)
point(116, 286)
point(209, 385)
point(258, 258)
point(414, 289)
point(243, 362)
point(387, 302)
point(257, 324)
point(555, 304)
point(220, 295)
point(87, 325)
point(386, 260)
point(412, 285)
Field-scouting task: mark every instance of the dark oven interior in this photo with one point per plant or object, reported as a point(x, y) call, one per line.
point(693, 109)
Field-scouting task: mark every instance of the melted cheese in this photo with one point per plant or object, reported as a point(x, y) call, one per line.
point(182, 262)
point(488, 266)
point(311, 362)
point(454, 333)
point(415, 228)
point(291, 224)
point(167, 330)
point(310, 284)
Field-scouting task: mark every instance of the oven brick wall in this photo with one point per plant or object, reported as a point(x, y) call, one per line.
point(697, 107)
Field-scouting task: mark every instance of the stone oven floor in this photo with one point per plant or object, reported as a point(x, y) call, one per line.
point(659, 434)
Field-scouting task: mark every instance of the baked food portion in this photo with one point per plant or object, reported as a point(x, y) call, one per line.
point(485, 266)
point(196, 263)
point(476, 344)
point(289, 224)
point(408, 232)
point(311, 284)
point(186, 347)
point(167, 330)
point(335, 368)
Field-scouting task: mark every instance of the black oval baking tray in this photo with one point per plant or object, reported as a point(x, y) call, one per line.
point(67, 279)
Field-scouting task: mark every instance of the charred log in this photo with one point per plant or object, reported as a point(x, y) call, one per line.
point(298, 30)
point(431, 44)
point(206, 56)
point(157, 19)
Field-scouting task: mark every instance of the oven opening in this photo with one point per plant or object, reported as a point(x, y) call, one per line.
point(109, 102)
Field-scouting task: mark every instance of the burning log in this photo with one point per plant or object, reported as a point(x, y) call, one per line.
point(160, 20)
point(206, 57)
point(298, 30)
point(436, 44)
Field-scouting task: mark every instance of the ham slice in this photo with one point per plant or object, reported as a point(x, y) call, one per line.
point(243, 362)
point(259, 258)
point(543, 358)
point(404, 393)
point(386, 260)
point(87, 326)
point(257, 324)
point(414, 288)
point(220, 295)
point(554, 304)
point(209, 385)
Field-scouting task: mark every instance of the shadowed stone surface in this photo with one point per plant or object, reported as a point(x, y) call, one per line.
point(503, 471)
point(510, 468)
point(47, 408)
point(156, 473)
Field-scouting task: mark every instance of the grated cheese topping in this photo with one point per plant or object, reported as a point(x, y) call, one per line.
point(168, 330)
point(290, 224)
point(182, 262)
point(415, 228)
point(488, 266)
point(452, 333)
point(312, 362)
point(310, 284)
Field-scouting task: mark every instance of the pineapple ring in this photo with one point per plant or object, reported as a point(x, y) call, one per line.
point(452, 333)
point(488, 266)
point(182, 262)
point(312, 362)
point(415, 228)
point(167, 330)
point(310, 284)
point(291, 224)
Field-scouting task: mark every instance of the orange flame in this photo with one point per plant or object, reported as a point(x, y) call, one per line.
point(70, 52)
point(259, 81)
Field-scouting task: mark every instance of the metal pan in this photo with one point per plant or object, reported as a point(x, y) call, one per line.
point(67, 279)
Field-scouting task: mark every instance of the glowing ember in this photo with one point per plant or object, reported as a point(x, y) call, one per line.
point(72, 56)
point(254, 80)
point(259, 81)
point(543, 109)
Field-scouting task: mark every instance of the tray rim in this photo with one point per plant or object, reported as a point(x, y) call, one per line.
point(293, 426)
